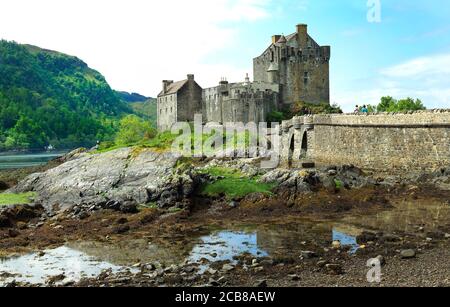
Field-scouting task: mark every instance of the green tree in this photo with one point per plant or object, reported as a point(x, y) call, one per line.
point(389, 104)
point(386, 103)
point(133, 130)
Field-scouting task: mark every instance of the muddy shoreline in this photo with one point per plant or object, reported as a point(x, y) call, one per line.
point(315, 262)
point(316, 227)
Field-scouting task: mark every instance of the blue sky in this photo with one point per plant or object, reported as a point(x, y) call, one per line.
point(369, 60)
point(138, 43)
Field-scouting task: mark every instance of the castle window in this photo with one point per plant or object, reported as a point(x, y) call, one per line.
point(272, 56)
point(306, 78)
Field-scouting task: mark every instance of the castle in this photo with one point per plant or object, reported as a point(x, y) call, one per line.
point(293, 68)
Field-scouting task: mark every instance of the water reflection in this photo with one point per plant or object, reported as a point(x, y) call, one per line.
point(36, 269)
point(275, 240)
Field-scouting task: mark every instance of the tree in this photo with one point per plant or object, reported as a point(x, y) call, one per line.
point(389, 104)
point(386, 103)
point(134, 130)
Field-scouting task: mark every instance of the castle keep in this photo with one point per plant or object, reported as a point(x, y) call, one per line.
point(292, 69)
point(299, 65)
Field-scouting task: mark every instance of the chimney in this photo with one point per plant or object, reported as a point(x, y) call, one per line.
point(166, 84)
point(302, 34)
point(190, 77)
point(275, 38)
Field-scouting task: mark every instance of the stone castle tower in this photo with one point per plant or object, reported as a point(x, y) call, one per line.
point(299, 65)
point(292, 69)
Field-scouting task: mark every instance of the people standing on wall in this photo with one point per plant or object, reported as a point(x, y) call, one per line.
point(365, 110)
point(357, 110)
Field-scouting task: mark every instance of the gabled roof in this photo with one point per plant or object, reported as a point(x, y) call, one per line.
point(291, 36)
point(173, 88)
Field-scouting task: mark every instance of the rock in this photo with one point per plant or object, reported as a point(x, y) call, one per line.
point(113, 205)
point(408, 254)
point(54, 279)
point(5, 222)
point(308, 255)
point(438, 235)
point(294, 277)
point(122, 175)
point(266, 262)
point(211, 271)
point(332, 172)
point(227, 267)
point(255, 262)
point(214, 283)
point(322, 263)
point(121, 229)
point(447, 236)
point(389, 238)
point(129, 208)
point(83, 215)
point(261, 284)
point(336, 245)
point(122, 221)
point(233, 204)
point(366, 237)
point(13, 233)
point(334, 269)
point(3, 186)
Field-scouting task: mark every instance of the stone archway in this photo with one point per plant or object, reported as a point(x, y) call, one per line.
point(291, 151)
point(304, 149)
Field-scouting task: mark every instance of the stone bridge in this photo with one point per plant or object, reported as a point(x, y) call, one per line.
point(381, 142)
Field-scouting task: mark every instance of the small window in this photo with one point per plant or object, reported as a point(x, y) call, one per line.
point(306, 78)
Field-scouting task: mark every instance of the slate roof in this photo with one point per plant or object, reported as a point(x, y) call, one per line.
point(174, 88)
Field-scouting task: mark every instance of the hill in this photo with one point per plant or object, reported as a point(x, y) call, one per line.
point(47, 97)
point(146, 109)
point(132, 97)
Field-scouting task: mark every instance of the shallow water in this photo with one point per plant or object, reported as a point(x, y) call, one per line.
point(21, 160)
point(36, 269)
point(88, 259)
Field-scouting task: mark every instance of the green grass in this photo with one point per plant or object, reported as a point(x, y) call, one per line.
point(233, 185)
point(16, 199)
point(223, 172)
point(339, 184)
point(236, 188)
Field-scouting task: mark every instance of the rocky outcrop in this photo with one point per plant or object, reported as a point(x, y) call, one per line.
point(120, 177)
point(331, 178)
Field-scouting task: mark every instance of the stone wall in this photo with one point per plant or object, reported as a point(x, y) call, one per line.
point(382, 142)
point(239, 102)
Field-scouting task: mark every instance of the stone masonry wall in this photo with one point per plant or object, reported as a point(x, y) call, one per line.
point(382, 142)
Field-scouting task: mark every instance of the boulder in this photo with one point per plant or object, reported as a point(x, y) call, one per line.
point(110, 180)
point(408, 254)
point(3, 185)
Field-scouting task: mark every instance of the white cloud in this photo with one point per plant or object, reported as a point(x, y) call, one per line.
point(429, 66)
point(426, 78)
point(136, 43)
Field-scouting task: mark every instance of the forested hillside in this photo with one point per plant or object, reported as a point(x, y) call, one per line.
point(51, 98)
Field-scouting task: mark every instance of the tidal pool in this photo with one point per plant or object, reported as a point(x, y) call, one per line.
point(88, 259)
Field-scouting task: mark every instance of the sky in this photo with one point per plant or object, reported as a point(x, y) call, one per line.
point(399, 48)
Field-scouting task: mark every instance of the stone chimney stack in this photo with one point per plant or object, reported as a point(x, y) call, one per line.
point(191, 77)
point(275, 38)
point(302, 33)
point(166, 84)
